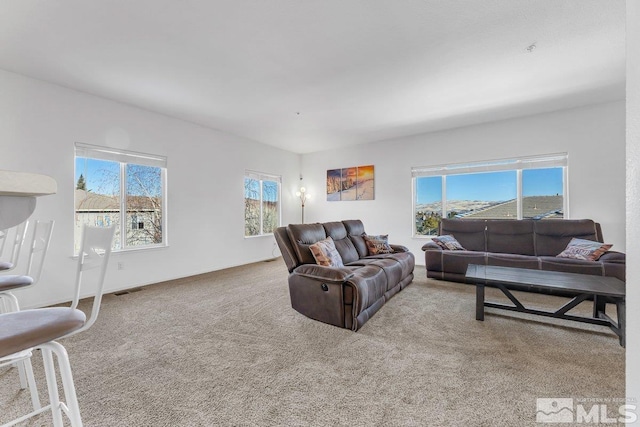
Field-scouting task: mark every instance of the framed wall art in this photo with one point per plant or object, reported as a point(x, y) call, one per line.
point(353, 183)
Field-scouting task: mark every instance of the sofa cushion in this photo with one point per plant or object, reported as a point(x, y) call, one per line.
point(569, 265)
point(553, 235)
point(513, 260)
point(587, 250)
point(326, 254)
point(355, 230)
point(377, 244)
point(371, 283)
point(303, 235)
point(470, 233)
point(344, 245)
point(447, 243)
point(406, 260)
point(510, 236)
point(458, 261)
point(392, 269)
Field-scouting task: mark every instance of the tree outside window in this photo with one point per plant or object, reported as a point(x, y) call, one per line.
point(252, 207)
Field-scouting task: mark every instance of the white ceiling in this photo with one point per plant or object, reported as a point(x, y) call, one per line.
point(356, 71)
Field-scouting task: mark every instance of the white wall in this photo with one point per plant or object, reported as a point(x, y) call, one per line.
point(633, 201)
point(41, 122)
point(593, 136)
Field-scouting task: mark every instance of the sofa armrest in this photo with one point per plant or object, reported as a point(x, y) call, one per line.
point(430, 245)
point(613, 256)
point(324, 274)
point(399, 248)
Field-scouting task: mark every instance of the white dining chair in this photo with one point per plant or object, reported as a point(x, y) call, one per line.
point(13, 238)
point(24, 331)
point(38, 249)
point(9, 302)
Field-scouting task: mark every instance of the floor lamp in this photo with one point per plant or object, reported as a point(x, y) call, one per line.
point(304, 196)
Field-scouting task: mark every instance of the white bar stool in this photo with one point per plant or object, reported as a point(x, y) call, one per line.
point(22, 332)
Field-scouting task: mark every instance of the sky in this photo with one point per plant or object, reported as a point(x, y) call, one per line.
point(103, 176)
point(94, 172)
point(490, 186)
point(269, 190)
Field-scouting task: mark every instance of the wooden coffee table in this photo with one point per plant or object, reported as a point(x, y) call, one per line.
point(580, 286)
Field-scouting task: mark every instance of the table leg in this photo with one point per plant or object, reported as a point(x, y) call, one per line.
point(479, 301)
point(622, 314)
point(599, 305)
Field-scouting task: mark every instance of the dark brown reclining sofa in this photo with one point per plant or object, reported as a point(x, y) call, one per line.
point(531, 244)
point(342, 296)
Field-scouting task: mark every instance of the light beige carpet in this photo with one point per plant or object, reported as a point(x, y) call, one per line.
point(226, 348)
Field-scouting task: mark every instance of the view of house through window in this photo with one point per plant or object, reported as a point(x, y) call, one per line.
point(123, 189)
point(508, 189)
point(261, 203)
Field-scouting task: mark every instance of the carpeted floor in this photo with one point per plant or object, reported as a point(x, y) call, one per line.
point(226, 348)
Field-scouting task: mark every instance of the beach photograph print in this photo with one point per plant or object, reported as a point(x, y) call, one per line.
point(347, 184)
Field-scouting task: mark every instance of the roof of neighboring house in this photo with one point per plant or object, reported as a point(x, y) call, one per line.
point(88, 201)
point(94, 202)
point(536, 207)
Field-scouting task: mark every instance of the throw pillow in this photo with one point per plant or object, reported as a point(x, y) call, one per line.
point(378, 244)
point(448, 243)
point(584, 249)
point(326, 254)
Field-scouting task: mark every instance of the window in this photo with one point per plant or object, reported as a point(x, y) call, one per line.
point(136, 224)
point(531, 187)
point(261, 203)
point(124, 189)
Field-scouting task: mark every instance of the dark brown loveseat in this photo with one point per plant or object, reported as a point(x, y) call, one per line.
point(530, 244)
point(342, 296)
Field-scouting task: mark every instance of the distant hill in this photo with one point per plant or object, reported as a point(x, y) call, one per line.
point(456, 205)
point(532, 207)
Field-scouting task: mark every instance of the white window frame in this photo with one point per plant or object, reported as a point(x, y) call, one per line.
point(124, 157)
point(260, 177)
point(514, 164)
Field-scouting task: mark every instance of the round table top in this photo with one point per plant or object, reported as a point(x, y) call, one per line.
point(26, 184)
point(18, 192)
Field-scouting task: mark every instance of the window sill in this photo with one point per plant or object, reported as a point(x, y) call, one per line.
point(259, 235)
point(142, 248)
point(115, 252)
